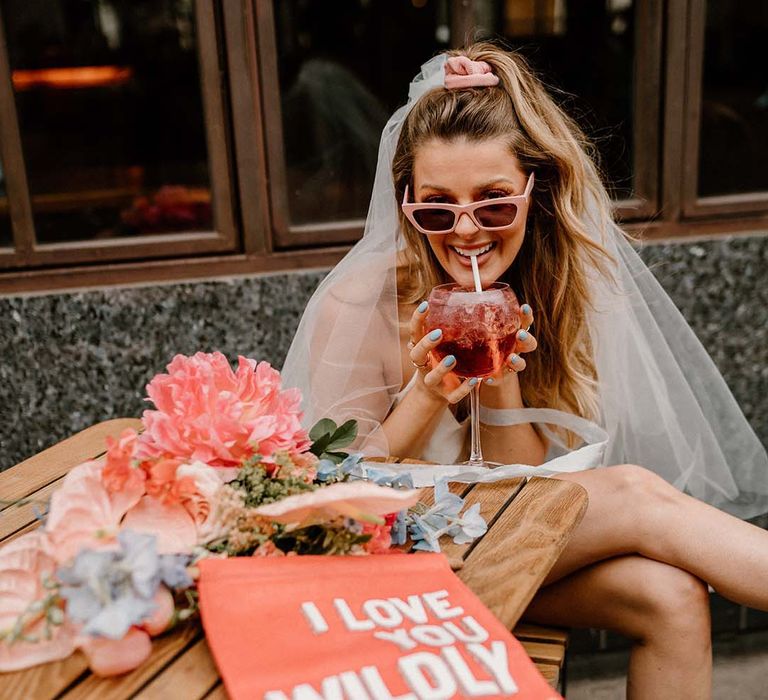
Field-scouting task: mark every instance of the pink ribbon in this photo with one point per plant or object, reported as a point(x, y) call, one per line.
point(463, 72)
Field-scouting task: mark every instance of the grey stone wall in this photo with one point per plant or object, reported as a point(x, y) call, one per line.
point(70, 360)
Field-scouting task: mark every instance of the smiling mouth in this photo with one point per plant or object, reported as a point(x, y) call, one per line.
point(469, 252)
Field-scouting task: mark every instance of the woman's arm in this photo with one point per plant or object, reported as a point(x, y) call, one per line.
point(512, 444)
point(410, 424)
point(434, 388)
point(509, 444)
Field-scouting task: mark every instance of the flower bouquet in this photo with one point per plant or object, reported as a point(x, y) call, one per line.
point(222, 468)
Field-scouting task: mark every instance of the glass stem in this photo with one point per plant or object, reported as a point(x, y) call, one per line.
point(475, 454)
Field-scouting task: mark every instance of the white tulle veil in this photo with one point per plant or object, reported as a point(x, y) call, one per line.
point(664, 404)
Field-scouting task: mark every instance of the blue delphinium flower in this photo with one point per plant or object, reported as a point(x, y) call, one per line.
point(378, 476)
point(351, 467)
point(402, 481)
point(348, 468)
point(382, 477)
point(173, 571)
point(444, 518)
point(399, 531)
point(469, 526)
point(424, 534)
point(111, 590)
point(446, 503)
point(327, 470)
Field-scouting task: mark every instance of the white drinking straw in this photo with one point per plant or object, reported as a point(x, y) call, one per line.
point(476, 273)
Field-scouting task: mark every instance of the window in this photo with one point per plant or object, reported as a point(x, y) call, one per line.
point(589, 55)
point(118, 128)
point(340, 75)
point(178, 138)
point(6, 235)
point(729, 148)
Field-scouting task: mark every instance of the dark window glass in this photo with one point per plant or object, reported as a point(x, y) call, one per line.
point(110, 113)
point(733, 149)
point(6, 237)
point(344, 67)
point(5, 231)
point(585, 50)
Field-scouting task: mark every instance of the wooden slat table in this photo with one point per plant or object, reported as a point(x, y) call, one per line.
point(529, 524)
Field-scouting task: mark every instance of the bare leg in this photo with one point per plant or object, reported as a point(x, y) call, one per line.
point(634, 511)
point(664, 609)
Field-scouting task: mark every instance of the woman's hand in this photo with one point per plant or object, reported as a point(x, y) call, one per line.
point(525, 342)
point(438, 380)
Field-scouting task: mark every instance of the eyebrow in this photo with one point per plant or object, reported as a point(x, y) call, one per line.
point(484, 186)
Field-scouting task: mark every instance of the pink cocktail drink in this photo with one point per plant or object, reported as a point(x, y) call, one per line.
point(479, 328)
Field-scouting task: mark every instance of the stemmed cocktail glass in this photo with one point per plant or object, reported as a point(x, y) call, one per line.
point(479, 330)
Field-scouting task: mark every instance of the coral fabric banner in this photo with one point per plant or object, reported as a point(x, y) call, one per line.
point(386, 627)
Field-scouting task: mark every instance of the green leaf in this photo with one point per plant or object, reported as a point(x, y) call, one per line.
point(343, 436)
point(325, 426)
point(319, 445)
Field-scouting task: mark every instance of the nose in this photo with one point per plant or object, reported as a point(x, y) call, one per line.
point(465, 226)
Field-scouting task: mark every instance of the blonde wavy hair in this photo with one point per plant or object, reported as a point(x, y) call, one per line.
point(550, 271)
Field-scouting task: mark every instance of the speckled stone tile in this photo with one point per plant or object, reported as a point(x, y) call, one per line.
point(70, 360)
point(721, 287)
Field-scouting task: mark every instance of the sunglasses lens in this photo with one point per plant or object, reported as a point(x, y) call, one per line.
point(434, 219)
point(496, 215)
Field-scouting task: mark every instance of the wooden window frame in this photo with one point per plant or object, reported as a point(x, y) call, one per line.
point(646, 113)
point(224, 238)
point(695, 206)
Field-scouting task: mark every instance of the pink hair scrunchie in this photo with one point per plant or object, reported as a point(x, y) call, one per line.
point(463, 72)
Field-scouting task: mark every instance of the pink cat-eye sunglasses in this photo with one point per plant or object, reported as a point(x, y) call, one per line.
point(488, 214)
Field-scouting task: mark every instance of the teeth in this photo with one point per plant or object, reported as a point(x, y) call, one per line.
point(468, 253)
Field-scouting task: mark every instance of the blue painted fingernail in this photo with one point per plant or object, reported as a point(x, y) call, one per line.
point(522, 335)
point(489, 380)
point(513, 358)
point(448, 361)
point(435, 334)
point(422, 307)
point(473, 381)
point(526, 309)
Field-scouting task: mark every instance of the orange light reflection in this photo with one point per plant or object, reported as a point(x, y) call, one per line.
point(73, 77)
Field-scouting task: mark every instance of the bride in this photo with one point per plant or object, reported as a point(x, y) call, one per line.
point(601, 343)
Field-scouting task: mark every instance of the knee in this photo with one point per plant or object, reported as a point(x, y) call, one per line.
point(675, 607)
point(633, 480)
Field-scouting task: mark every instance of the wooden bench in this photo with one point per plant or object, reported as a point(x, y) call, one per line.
point(529, 524)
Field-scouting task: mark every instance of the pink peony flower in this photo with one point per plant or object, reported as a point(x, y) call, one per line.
point(23, 564)
point(206, 412)
point(360, 500)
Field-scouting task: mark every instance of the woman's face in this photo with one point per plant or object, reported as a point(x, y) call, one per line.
point(460, 172)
